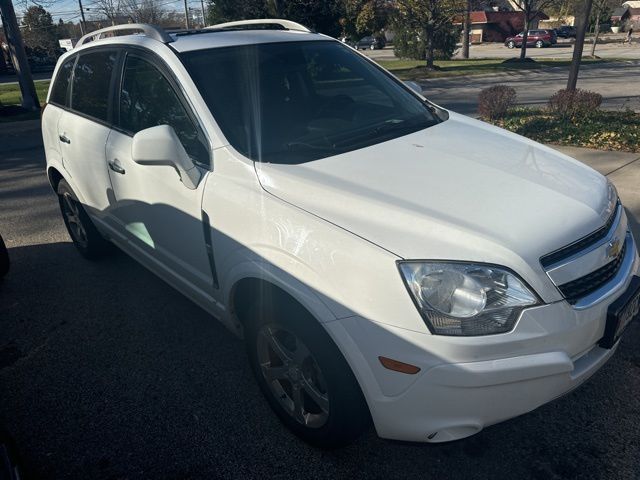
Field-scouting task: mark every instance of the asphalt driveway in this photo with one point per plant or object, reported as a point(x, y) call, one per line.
point(106, 372)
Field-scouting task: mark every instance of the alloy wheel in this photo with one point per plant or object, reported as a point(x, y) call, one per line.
point(293, 375)
point(71, 212)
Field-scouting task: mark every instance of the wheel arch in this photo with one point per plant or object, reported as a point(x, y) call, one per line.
point(54, 176)
point(247, 289)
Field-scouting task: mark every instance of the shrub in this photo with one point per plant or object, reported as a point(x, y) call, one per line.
point(572, 103)
point(494, 102)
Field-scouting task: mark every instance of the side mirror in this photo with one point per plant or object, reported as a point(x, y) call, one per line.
point(414, 86)
point(161, 146)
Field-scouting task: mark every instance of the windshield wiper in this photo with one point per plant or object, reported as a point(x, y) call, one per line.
point(307, 147)
point(386, 128)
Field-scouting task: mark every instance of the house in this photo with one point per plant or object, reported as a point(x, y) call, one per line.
point(628, 15)
point(495, 25)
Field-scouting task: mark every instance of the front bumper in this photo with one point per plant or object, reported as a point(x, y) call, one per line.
point(468, 383)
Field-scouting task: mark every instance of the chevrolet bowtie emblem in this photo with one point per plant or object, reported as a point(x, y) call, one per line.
point(614, 248)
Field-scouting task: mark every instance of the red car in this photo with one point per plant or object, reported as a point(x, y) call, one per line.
point(536, 38)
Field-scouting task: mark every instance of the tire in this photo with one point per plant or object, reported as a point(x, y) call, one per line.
point(372, 47)
point(539, 44)
point(332, 411)
point(511, 44)
point(81, 229)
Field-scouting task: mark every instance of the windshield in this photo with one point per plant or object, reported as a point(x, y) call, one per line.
point(301, 101)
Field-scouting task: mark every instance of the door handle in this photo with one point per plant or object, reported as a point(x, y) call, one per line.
point(115, 166)
point(64, 139)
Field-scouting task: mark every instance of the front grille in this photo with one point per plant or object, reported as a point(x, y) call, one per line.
point(583, 243)
point(583, 286)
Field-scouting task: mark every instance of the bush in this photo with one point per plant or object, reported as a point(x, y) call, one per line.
point(494, 102)
point(573, 103)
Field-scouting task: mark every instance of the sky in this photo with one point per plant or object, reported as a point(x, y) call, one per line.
point(69, 10)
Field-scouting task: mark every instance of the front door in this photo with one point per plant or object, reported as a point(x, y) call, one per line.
point(160, 217)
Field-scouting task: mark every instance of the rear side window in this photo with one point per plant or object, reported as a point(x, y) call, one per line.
point(61, 84)
point(91, 80)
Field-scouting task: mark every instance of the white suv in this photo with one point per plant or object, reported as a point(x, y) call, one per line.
point(385, 260)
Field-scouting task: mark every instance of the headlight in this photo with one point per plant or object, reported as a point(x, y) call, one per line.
point(466, 299)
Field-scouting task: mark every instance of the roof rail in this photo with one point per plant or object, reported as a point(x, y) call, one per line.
point(285, 24)
point(151, 31)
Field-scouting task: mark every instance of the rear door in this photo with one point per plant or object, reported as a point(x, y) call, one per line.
point(57, 103)
point(84, 127)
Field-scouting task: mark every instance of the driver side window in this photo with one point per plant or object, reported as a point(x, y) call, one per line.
point(147, 99)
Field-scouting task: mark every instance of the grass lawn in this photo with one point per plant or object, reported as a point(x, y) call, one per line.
point(602, 130)
point(415, 70)
point(10, 92)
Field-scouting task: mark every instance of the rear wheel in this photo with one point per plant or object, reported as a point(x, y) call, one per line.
point(539, 44)
point(81, 229)
point(303, 375)
point(372, 47)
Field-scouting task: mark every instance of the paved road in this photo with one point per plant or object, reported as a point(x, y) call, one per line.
point(108, 373)
point(563, 50)
point(618, 83)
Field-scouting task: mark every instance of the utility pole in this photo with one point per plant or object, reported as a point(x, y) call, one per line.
point(578, 47)
point(204, 18)
point(82, 21)
point(467, 30)
point(186, 15)
point(18, 56)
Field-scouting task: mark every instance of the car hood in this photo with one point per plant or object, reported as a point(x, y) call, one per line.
point(460, 190)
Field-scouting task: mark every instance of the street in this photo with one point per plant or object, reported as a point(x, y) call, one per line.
point(563, 50)
point(106, 372)
point(619, 85)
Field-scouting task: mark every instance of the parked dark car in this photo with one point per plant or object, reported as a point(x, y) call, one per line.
point(370, 43)
point(4, 259)
point(566, 31)
point(536, 38)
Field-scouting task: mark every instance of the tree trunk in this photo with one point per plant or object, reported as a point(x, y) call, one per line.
point(430, 49)
point(597, 33)
point(467, 31)
point(579, 46)
point(525, 36)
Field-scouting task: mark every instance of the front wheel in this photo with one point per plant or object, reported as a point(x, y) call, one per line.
point(539, 44)
point(372, 47)
point(511, 44)
point(304, 377)
point(81, 229)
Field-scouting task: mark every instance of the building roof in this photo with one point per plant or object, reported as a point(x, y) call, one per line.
point(495, 17)
point(634, 4)
point(619, 12)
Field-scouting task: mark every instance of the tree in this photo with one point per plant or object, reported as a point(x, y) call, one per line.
point(431, 18)
point(583, 22)
point(530, 10)
point(466, 37)
point(365, 17)
point(601, 10)
point(144, 11)
point(39, 32)
point(112, 9)
point(323, 17)
point(220, 11)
